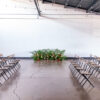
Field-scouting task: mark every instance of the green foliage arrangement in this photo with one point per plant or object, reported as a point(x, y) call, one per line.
point(48, 54)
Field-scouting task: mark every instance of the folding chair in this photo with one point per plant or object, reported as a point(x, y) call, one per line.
point(95, 65)
point(7, 69)
point(82, 71)
point(3, 72)
point(11, 64)
point(86, 73)
point(13, 61)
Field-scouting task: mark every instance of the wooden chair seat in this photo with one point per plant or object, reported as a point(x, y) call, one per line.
point(18, 60)
point(96, 66)
point(15, 61)
point(79, 68)
point(92, 63)
point(8, 65)
point(12, 62)
point(4, 68)
point(98, 58)
point(76, 65)
point(85, 73)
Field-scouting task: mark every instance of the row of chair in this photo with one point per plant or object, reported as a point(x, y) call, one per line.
point(95, 64)
point(83, 69)
point(8, 67)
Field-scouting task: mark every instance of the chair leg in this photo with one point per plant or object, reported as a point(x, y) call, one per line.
point(6, 74)
point(3, 76)
point(87, 79)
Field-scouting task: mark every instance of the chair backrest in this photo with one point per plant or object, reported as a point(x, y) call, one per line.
point(2, 62)
point(11, 56)
point(95, 59)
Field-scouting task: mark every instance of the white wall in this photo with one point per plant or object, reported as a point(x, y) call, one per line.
point(77, 36)
point(76, 32)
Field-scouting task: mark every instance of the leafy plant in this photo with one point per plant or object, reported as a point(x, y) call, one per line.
point(48, 54)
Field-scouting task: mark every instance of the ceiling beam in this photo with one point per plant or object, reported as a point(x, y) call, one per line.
point(92, 5)
point(97, 8)
point(43, 1)
point(66, 3)
point(78, 5)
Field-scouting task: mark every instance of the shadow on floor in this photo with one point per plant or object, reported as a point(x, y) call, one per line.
point(83, 94)
point(10, 81)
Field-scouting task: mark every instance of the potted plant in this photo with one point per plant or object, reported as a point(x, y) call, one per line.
point(48, 54)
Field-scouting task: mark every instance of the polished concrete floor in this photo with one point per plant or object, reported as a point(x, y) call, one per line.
point(46, 81)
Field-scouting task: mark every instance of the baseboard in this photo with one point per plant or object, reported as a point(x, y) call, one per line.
point(67, 58)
